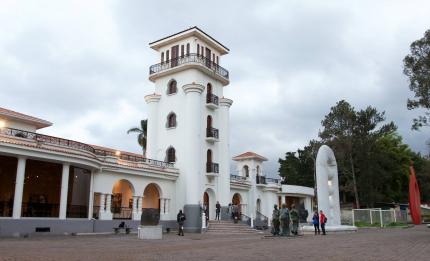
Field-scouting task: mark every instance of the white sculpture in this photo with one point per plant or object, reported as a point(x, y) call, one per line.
point(328, 185)
point(328, 192)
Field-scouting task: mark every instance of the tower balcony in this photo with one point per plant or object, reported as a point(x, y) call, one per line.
point(212, 101)
point(212, 134)
point(212, 169)
point(186, 62)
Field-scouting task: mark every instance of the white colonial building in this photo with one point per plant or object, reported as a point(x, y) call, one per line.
point(51, 184)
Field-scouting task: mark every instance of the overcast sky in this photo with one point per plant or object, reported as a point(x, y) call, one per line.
point(83, 65)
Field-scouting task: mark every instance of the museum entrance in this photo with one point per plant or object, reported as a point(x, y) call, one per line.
point(122, 200)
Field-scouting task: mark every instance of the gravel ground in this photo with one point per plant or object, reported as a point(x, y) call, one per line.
point(367, 244)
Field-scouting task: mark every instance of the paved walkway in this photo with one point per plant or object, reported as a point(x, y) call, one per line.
point(366, 244)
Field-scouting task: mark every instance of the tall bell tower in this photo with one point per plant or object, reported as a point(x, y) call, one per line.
point(188, 121)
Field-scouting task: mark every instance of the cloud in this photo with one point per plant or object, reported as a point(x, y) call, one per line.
point(84, 65)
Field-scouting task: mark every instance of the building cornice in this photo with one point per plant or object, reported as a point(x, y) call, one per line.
point(152, 98)
point(226, 102)
point(193, 87)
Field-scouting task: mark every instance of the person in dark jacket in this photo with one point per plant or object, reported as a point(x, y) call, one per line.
point(180, 218)
point(316, 222)
point(218, 210)
point(323, 220)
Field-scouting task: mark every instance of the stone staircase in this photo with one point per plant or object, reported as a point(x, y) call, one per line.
point(227, 227)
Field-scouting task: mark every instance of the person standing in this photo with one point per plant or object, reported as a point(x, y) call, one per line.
point(284, 217)
point(218, 210)
point(316, 222)
point(180, 218)
point(275, 221)
point(323, 220)
point(294, 214)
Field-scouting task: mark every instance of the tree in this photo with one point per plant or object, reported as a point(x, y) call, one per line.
point(352, 136)
point(141, 137)
point(298, 167)
point(338, 133)
point(417, 68)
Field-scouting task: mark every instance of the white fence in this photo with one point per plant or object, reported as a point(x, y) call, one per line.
point(378, 217)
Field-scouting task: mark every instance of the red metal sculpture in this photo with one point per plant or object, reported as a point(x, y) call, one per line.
point(414, 197)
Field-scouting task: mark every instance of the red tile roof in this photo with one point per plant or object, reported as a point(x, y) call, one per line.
point(249, 155)
point(39, 123)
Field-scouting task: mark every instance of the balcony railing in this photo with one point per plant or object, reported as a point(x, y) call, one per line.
point(189, 58)
point(272, 180)
point(121, 212)
point(41, 138)
point(212, 167)
point(212, 98)
point(212, 133)
point(237, 178)
point(260, 180)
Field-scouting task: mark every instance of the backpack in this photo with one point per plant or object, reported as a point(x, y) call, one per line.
point(182, 217)
point(325, 220)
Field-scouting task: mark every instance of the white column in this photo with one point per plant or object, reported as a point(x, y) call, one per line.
point(107, 214)
point(193, 156)
point(102, 204)
point(139, 205)
point(308, 207)
point(151, 144)
point(64, 190)
point(282, 200)
point(136, 215)
point(91, 197)
point(19, 188)
point(167, 204)
point(224, 152)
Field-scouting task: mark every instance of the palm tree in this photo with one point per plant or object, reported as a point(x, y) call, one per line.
point(141, 137)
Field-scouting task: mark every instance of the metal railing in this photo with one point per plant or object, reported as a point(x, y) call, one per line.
point(96, 212)
point(212, 167)
point(41, 138)
point(212, 133)
point(189, 58)
point(260, 179)
point(261, 221)
point(237, 178)
point(121, 212)
point(212, 98)
point(245, 219)
point(272, 180)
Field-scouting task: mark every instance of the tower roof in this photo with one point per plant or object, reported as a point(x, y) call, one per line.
point(193, 31)
point(249, 155)
point(13, 115)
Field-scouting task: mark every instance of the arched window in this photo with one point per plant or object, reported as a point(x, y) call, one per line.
point(172, 87)
point(209, 88)
point(209, 122)
point(162, 57)
point(213, 57)
point(171, 120)
point(217, 60)
point(246, 171)
point(167, 56)
point(171, 157)
point(188, 48)
point(182, 50)
point(198, 49)
point(209, 156)
point(258, 170)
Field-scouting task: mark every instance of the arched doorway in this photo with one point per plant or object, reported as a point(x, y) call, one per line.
point(122, 199)
point(151, 204)
point(209, 122)
point(209, 203)
point(151, 197)
point(258, 206)
point(237, 201)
